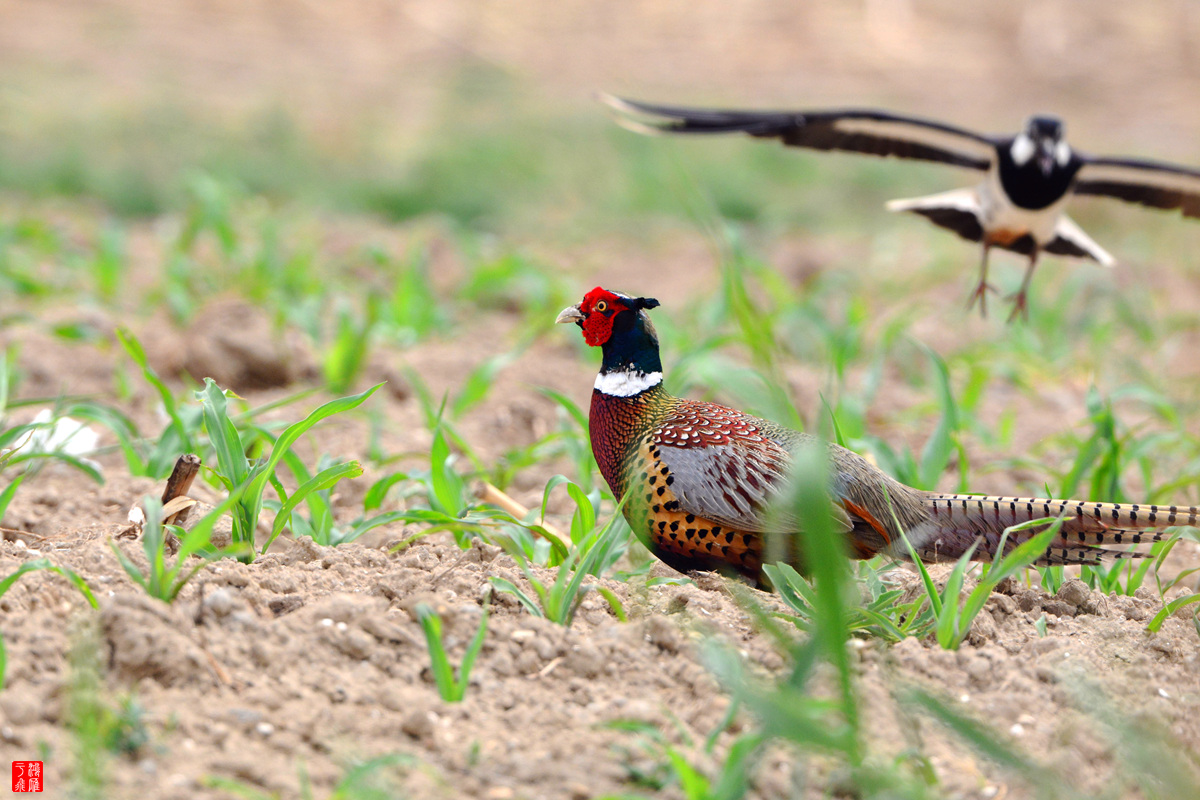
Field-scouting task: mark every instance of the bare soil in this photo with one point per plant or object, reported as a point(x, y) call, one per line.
point(312, 655)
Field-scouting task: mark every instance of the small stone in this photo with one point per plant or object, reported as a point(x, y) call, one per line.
point(385, 631)
point(20, 708)
point(1017, 729)
point(1027, 601)
point(1164, 645)
point(418, 724)
point(245, 717)
point(264, 729)
point(1001, 603)
point(1074, 592)
point(357, 644)
point(662, 633)
point(1046, 645)
point(1135, 612)
point(1058, 608)
point(979, 670)
point(285, 605)
point(219, 602)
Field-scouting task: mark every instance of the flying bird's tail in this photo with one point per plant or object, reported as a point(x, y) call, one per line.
point(1089, 530)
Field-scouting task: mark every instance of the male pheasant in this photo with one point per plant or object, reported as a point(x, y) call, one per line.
point(701, 476)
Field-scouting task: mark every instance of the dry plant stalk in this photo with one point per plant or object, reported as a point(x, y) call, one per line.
point(176, 504)
point(490, 494)
point(186, 469)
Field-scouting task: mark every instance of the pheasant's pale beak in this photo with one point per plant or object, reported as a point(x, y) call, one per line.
point(570, 314)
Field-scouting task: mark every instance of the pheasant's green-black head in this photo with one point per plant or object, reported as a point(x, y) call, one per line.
point(619, 325)
point(603, 313)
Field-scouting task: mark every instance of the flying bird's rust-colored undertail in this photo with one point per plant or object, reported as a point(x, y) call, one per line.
point(701, 476)
point(1019, 204)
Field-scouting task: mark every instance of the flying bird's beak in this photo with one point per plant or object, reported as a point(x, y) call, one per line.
point(1045, 156)
point(570, 314)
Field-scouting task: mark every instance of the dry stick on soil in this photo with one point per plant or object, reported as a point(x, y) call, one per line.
point(490, 494)
point(14, 535)
point(186, 469)
point(176, 505)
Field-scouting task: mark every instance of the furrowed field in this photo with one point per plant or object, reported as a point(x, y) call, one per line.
point(323, 249)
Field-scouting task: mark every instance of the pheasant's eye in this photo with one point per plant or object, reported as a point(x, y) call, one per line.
point(602, 306)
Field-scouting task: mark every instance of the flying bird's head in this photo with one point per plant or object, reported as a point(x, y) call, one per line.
point(1042, 141)
point(603, 314)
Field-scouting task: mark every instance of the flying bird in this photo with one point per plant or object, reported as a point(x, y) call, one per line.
point(700, 477)
point(1018, 205)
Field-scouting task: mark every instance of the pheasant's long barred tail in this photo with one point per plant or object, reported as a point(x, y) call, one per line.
point(1115, 518)
point(1088, 527)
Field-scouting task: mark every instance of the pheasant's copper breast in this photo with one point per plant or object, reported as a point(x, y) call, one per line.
point(675, 535)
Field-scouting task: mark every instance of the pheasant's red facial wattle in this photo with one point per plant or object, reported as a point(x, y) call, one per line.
point(599, 307)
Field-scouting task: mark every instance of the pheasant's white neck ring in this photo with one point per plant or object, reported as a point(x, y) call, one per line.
point(626, 383)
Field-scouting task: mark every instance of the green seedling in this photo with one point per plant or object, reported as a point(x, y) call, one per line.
point(954, 619)
point(673, 767)
point(789, 708)
point(184, 425)
point(109, 265)
point(314, 493)
point(452, 686)
point(250, 481)
point(210, 210)
point(942, 446)
point(1170, 608)
point(987, 743)
point(414, 311)
point(346, 354)
point(165, 583)
point(363, 780)
point(9, 492)
point(879, 617)
point(515, 283)
point(559, 600)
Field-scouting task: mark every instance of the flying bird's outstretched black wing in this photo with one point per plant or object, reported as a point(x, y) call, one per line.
point(1149, 183)
point(877, 133)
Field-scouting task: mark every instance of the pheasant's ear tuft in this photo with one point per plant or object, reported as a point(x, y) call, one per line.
point(646, 303)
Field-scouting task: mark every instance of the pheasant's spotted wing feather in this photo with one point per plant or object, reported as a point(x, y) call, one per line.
point(728, 483)
point(727, 466)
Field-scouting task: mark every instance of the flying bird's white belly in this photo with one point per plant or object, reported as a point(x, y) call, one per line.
point(1005, 222)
